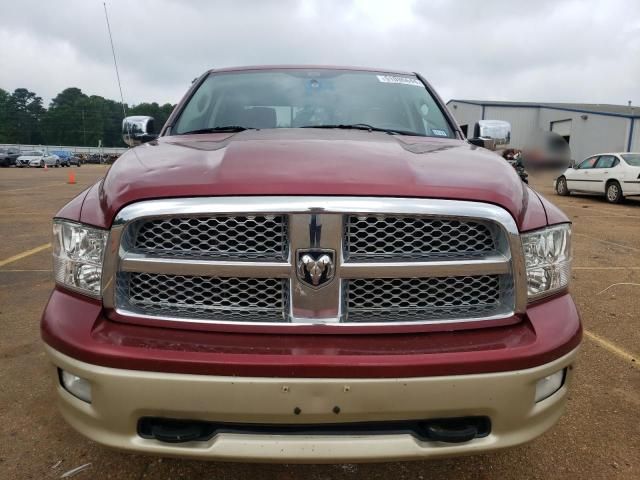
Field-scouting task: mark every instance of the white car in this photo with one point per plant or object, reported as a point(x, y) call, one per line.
point(614, 175)
point(38, 158)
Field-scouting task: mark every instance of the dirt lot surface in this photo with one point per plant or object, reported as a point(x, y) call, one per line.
point(599, 436)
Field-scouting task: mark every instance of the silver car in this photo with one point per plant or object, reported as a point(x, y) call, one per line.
point(37, 158)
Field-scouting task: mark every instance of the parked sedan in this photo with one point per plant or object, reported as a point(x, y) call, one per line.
point(614, 175)
point(25, 157)
point(8, 156)
point(38, 158)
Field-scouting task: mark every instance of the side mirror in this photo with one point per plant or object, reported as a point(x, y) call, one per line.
point(487, 143)
point(572, 163)
point(138, 129)
point(498, 131)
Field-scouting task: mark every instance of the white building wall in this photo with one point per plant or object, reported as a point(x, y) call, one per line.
point(523, 120)
point(595, 134)
point(466, 114)
point(635, 141)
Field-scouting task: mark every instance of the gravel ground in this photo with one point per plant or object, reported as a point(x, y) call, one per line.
point(599, 436)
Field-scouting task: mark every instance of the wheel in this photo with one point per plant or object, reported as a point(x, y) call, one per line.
point(561, 187)
point(614, 192)
point(41, 163)
point(57, 163)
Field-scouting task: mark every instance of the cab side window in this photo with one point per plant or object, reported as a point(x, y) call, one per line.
point(588, 163)
point(606, 161)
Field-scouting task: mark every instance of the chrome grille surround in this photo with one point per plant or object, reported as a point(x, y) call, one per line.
point(336, 303)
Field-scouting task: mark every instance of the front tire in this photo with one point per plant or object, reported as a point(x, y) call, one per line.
point(614, 192)
point(41, 163)
point(561, 187)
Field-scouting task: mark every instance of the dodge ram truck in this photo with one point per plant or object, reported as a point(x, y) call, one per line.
point(310, 264)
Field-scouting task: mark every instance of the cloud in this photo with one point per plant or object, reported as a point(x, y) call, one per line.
point(573, 51)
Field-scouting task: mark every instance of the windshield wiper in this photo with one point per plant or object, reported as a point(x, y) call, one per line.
point(226, 128)
point(365, 126)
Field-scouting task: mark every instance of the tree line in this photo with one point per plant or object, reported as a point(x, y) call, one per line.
point(72, 118)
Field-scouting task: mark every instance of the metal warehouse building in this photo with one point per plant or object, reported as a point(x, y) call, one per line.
point(588, 128)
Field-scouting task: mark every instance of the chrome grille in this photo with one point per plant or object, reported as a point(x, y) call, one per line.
point(394, 260)
point(415, 299)
point(414, 238)
point(251, 236)
point(223, 299)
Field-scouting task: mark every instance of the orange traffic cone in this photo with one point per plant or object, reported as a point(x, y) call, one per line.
point(72, 178)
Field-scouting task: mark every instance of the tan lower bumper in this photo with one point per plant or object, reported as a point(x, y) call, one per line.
point(121, 397)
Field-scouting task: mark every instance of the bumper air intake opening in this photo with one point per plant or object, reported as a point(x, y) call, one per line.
point(447, 430)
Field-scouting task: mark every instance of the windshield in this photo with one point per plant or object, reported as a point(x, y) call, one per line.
point(32, 154)
point(632, 159)
point(313, 98)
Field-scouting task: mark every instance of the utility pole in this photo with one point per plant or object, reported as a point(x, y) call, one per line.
point(84, 131)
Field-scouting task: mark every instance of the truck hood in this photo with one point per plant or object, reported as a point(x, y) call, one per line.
point(307, 162)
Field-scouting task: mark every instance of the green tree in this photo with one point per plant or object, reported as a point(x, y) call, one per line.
point(24, 112)
point(64, 124)
point(4, 116)
point(73, 118)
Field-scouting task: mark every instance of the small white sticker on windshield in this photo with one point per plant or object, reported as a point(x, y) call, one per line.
point(440, 133)
point(401, 80)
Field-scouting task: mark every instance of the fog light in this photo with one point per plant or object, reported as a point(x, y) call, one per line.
point(77, 386)
point(547, 386)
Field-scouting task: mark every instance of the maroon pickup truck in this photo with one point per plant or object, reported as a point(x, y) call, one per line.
point(310, 264)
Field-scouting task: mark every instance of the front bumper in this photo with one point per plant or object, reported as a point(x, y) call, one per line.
point(80, 328)
point(121, 397)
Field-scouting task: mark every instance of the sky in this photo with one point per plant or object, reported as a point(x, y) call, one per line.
point(545, 50)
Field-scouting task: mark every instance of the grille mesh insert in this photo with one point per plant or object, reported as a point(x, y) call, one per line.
point(255, 237)
point(416, 299)
point(415, 238)
point(210, 298)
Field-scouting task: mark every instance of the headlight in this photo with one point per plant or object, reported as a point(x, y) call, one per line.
point(77, 256)
point(547, 256)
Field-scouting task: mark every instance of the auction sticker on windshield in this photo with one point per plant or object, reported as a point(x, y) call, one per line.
point(397, 79)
